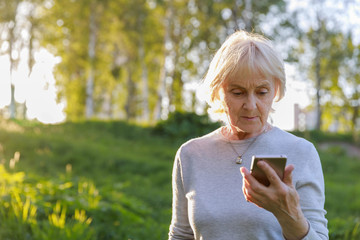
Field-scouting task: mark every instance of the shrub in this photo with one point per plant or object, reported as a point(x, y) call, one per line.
point(185, 125)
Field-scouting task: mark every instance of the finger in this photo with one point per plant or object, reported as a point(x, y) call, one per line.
point(288, 174)
point(247, 177)
point(251, 196)
point(252, 189)
point(269, 172)
point(244, 171)
point(246, 174)
point(247, 192)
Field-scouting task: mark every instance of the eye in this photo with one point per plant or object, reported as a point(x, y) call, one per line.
point(263, 91)
point(237, 92)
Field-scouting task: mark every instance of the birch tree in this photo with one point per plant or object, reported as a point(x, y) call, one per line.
point(162, 86)
point(8, 11)
point(92, 54)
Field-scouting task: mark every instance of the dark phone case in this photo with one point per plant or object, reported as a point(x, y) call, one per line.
point(277, 162)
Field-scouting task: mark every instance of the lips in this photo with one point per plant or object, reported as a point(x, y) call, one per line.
point(250, 118)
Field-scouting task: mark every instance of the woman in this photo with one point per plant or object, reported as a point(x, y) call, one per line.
point(212, 200)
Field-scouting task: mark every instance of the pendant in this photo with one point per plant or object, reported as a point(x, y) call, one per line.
point(239, 160)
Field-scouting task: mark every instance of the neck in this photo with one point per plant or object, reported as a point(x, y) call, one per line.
point(234, 133)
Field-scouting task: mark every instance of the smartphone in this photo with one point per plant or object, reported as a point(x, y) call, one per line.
point(277, 162)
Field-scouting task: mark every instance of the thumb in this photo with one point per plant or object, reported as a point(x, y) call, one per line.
point(288, 174)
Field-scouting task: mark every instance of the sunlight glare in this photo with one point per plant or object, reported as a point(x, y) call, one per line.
point(38, 90)
point(42, 102)
point(296, 93)
point(5, 81)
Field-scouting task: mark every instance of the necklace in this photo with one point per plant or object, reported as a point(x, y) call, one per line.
point(239, 159)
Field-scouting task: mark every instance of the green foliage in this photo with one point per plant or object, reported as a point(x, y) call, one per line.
point(342, 189)
point(185, 125)
point(321, 136)
point(111, 180)
point(345, 229)
point(342, 185)
point(86, 180)
point(132, 45)
point(26, 210)
point(333, 67)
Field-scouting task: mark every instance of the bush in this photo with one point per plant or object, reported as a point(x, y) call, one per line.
point(185, 125)
point(321, 136)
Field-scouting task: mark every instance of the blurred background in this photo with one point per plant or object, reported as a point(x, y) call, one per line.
point(96, 96)
point(141, 60)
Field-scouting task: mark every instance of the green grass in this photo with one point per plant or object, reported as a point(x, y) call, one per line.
point(112, 180)
point(342, 186)
point(120, 176)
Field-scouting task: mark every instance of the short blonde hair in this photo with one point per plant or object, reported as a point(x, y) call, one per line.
point(242, 55)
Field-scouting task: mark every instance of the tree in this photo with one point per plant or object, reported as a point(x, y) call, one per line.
point(350, 83)
point(8, 15)
point(93, 26)
point(136, 58)
point(327, 56)
point(70, 30)
point(195, 29)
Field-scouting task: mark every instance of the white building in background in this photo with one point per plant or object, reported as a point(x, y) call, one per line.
point(304, 120)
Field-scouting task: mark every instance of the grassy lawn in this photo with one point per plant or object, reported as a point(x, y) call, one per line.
point(112, 180)
point(342, 193)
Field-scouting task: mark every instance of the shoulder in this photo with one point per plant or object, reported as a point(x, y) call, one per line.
point(298, 150)
point(287, 139)
point(200, 144)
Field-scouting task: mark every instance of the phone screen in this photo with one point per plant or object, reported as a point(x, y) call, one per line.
point(277, 162)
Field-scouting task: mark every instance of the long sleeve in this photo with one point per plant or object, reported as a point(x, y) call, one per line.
point(180, 227)
point(312, 197)
point(208, 201)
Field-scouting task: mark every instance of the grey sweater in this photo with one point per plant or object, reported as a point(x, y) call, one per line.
point(208, 202)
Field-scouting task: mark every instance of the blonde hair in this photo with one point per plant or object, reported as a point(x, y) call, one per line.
point(243, 55)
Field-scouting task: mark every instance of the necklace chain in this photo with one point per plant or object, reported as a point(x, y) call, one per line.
point(239, 159)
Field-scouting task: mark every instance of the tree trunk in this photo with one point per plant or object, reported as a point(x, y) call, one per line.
point(175, 91)
point(13, 65)
point(160, 94)
point(12, 103)
point(31, 61)
point(248, 16)
point(91, 76)
point(354, 119)
point(234, 11)
point(318, 80)
point(158, 111)
point(145, 84)
point(130, 100)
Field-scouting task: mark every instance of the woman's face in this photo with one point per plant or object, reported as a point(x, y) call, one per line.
point(247, 104)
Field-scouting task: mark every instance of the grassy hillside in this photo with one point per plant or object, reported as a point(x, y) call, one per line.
point(118, 173)
point(112, 180)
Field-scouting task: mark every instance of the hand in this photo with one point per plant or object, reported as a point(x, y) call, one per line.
point(280, 198)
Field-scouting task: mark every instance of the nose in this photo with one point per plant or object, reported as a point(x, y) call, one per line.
point(250, 103)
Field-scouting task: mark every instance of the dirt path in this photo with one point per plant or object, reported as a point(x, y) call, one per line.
point(351, 150)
